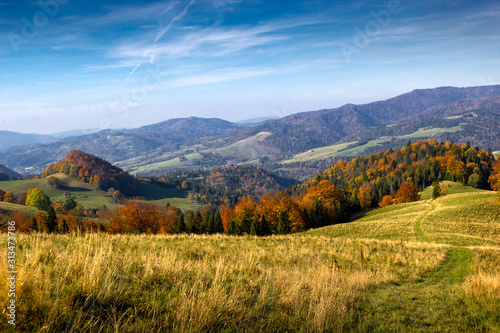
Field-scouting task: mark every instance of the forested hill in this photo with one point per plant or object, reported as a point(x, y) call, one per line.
point(178, 130)
point(420, 163)
point(96, 171)
point(225, 185)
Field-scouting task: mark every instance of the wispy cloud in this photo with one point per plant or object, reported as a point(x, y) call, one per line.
point(163, 31)
point(124, 14)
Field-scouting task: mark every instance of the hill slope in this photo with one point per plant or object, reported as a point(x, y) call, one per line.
point(91, 169)
point(7, 171)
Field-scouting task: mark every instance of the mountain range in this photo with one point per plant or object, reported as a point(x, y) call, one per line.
point(445, 113)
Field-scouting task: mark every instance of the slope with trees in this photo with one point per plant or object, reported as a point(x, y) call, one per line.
point(96, 171)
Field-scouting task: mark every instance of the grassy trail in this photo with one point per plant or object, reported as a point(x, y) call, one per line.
point(430, 303)
point(417, 228)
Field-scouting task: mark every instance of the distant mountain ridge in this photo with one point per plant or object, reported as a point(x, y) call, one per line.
point(194, 143)
point(11, 139)
point(178, 130)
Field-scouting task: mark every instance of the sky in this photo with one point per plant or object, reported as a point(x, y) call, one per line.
point(74, 64)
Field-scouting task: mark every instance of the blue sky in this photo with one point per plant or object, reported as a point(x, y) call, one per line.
point(68, 64)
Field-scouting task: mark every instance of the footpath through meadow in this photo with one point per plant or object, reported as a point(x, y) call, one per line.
point(431, 303)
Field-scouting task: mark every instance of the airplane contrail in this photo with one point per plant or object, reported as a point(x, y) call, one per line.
point(160, 35)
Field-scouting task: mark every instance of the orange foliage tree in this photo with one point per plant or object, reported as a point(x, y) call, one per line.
point(386, 201)
point(323, 204)
point(495, 176)
point(141, 217)
point(365, 196)
point(407, 192)
point(23, 221)
point(244, 212)
point(227, 215)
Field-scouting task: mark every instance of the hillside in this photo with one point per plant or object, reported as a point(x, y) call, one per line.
point(420, 163)
point(460, 114)
point(86, 194)
point(446, 113)
point(175, 131)
point(420, 267)
point(10, 173)
point(89, 196)
point(117, 145)
point(91, 169)
point(223, 185)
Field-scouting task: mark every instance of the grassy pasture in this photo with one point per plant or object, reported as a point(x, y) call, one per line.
point(340, 150)
point(91, 197)
point(319, 153)
point(86, 194)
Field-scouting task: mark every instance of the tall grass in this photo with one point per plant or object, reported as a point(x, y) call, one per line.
point(483, 284)
point(199, 283)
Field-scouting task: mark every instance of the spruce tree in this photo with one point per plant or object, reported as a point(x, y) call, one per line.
point(255, 228)
point(218, 223)
point(436, 190)
point(63, 229)
point(233, 228)
point(51, 220)
point(284, 224)
point(181, 225)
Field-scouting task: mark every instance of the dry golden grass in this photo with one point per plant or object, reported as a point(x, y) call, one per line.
point(484, 281)
point(201, 283)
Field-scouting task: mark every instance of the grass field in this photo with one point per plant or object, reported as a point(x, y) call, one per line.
point(427, 266)
point(451, 187)
point(86, 194)
point(429, 132)
point(91, 197)
point(319, 153)
point(340, 150)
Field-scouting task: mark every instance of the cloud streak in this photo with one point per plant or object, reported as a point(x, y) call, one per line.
point(160, 35)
